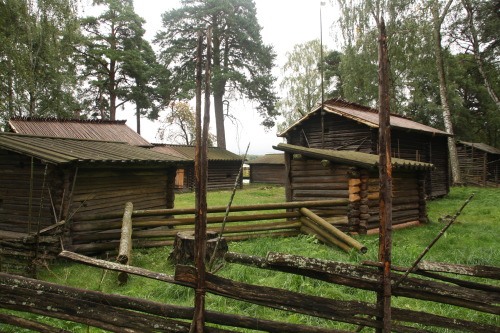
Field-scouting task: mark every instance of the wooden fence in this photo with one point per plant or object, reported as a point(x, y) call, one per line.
point(159, 227)
point(128, 314)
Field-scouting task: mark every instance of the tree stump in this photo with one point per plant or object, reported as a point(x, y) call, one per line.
point(183, 249)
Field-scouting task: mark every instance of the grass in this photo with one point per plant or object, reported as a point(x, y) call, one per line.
point(472, 240)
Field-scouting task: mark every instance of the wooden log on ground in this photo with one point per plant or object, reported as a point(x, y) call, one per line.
point(125, 251)
point(323, 235)
point(330, 228)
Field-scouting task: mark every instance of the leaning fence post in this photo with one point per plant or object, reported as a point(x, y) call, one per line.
point(415, 263)
point(125, 252)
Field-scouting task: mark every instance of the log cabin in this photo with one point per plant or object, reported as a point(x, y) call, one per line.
point(346, 126)
point(324, 174)
point(479, 164)
point(223, 167)
point(107, 130)
point(44, 180)
point(269, 169)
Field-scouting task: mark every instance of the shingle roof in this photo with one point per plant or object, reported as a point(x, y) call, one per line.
point(80, 129)
point(482, 146)
point(352, 157)
point(68, 150)
point(365, 115)
point(269, 159)
point(214, 153)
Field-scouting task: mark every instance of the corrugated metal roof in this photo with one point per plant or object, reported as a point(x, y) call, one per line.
point(214, 153)
point(269, 159)
point(482, 146)
point(365, 115)
point(68, 150)
point(352, 157)
point(106, 130)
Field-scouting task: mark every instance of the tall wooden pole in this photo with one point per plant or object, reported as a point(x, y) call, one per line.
point(201, 163)
point(322, 83)
point(385, 175)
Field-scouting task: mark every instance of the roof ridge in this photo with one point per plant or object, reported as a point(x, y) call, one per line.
point(360, 107)
point(67, 120)
point(180, 145)
point(59, 137)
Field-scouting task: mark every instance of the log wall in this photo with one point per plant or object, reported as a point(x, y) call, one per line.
point(477, 167)
point(408, 199)
point(340, 133)
point(15, 178)
point(309, 179)
point(267, 173)
point(106, 191)
point(221, 175)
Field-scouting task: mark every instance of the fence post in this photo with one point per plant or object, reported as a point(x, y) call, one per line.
point(125, 252)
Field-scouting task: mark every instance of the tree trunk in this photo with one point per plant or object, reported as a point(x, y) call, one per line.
point(138, 117)
point(477, 53)
point(11, 96)
point(219, 118)
point(438, 52)
point(218, 89)
point(32, 104)
point(112, 91)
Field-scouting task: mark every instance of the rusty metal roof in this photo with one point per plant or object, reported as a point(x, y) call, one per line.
point(365, 115)
point(269, 159)
point(214, 153)
point(106, 130)
point(482, 146)
point(352, 157)
point(68, 150)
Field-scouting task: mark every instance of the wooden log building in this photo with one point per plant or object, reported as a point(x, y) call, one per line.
point(479, 164)
point(223, 167)
point(269, 169)
point(44, 180)
point(324, 174)
point(346, 126)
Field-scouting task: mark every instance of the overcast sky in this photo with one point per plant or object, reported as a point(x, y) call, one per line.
point(284, 23)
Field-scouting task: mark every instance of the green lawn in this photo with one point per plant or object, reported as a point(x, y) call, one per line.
point(472, 240)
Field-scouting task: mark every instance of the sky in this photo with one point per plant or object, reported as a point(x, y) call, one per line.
point(284, 23)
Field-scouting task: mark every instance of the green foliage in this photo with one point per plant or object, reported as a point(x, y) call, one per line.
point(477, 117)
point(241, 63)
point(414, 80)
point(37, 73)
point(301, 82)
point(118, 63)
point(179, 125)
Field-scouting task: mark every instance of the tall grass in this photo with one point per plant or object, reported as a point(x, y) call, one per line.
point(472, 240)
